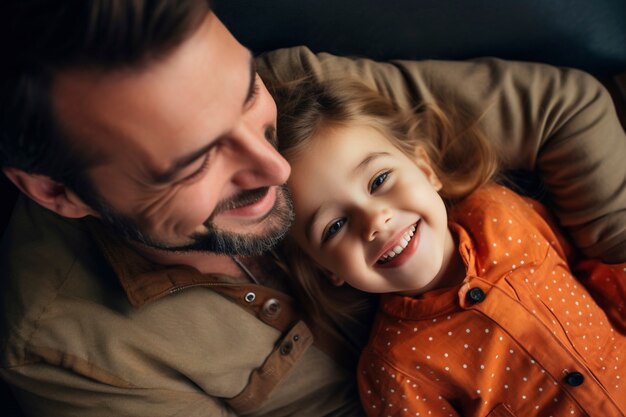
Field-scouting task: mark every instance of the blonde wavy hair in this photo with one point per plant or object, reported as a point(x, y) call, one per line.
point(458, 151)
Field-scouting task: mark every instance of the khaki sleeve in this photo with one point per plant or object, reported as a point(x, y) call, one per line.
point(44, 390)
point(559, 122)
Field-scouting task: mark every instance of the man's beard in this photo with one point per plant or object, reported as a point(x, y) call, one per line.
point(276, 225)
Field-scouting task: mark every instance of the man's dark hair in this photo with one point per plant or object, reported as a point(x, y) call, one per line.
point(42, 37)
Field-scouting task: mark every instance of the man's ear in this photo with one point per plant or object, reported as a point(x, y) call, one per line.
point(49, 193)
point(423, 162)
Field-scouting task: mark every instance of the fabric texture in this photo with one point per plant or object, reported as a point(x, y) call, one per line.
point(521, 334)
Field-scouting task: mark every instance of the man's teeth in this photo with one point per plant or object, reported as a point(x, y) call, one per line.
point(399, 248)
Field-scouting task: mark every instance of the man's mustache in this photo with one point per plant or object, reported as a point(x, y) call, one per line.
point(243, 198)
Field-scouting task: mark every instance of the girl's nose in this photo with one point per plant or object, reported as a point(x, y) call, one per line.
point(375, 222)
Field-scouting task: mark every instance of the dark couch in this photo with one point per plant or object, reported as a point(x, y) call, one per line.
point(590, 35)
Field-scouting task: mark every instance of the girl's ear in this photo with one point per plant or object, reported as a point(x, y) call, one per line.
point(335, 280)
point(423, 162)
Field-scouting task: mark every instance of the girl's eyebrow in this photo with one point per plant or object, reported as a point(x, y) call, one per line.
point(368, 160)
point(371, 157)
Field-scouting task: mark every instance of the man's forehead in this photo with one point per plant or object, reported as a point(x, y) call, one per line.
point(178, 104)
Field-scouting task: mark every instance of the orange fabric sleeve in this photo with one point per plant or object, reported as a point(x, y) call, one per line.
point(607, 284)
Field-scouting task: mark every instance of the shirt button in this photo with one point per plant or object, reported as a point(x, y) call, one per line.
point(286, 348)
point(475, 295)
point(574, 379)
point(271, 309)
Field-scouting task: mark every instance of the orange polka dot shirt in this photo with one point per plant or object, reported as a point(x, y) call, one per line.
point(522, 336)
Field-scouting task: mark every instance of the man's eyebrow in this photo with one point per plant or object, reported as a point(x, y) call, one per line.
point(252, 83)
point(180, 163)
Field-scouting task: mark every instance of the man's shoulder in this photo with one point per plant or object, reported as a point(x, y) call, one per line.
point(41, 248)
point(287, 64)
point(43, 256)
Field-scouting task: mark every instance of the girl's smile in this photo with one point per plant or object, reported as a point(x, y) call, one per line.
point(402, 250)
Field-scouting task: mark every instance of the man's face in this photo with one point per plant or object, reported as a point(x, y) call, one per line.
point(182, 150)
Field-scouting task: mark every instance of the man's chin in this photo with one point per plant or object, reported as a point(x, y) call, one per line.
point(253, 239)
point(246, 241)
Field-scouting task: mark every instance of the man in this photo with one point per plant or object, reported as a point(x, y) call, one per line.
point(136, 279)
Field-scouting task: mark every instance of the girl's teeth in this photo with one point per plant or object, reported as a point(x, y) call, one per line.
point(397, 250)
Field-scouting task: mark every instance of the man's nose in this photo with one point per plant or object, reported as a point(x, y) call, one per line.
point(256, 162)
point(375, 221)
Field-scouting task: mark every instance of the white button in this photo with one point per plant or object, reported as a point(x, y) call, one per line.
point(271, 309)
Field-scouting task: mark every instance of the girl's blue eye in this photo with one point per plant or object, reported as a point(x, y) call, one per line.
point(378, 181)
point(332, 229)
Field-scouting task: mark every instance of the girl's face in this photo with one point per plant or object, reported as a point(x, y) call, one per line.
point(369, 214)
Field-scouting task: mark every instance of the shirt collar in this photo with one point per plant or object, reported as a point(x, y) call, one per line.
point(143, 280)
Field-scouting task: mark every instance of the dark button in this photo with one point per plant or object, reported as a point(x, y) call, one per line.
point(574, 379)
point(286, 348)
point(271, 309)
point(475, 295)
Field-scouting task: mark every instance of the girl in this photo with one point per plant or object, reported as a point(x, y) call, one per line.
point(480, 313)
